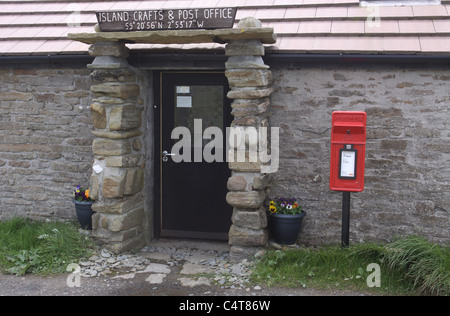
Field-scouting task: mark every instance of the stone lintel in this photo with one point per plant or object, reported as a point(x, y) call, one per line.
point(265, 35)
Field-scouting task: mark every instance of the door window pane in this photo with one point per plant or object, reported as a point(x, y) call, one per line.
point(199, 102)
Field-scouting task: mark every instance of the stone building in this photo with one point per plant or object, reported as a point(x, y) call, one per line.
point(80, 106)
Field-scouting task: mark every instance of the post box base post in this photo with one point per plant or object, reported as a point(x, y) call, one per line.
point(345, 219)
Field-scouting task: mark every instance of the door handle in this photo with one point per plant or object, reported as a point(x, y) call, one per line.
point(165, 155)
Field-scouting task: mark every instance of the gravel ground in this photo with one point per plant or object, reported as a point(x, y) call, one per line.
point(107, 286)
point(164, 269)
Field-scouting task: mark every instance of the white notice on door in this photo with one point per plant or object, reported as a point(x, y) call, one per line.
point(348, 164)
point(183, 89)
point(184, 102)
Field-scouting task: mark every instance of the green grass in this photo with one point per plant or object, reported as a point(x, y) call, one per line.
point(425, 265)
point(41, 248)
point(408, 266)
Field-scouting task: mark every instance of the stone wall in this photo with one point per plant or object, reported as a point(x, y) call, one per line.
point(408, 149)
point(45, 141)
point(46, 146)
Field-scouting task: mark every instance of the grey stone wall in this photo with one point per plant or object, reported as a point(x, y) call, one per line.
point(45, 141)
point(408, 149)
point(46, 146)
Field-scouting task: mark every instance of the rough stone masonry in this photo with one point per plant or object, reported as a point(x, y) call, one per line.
point(45, 140)
point(47, 146)
point(408, 148)
point(118, 178)
point(249, 79)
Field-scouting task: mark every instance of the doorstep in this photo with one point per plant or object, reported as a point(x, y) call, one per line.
point(219, 246)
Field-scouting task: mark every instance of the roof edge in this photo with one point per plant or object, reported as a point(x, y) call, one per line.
point(186, 60)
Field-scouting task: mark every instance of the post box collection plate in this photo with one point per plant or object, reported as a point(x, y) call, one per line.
point(347, 163)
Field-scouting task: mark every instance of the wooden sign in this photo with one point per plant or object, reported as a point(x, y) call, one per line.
point(175, 19)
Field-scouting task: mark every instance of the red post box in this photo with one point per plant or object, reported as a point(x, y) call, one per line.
point(348, 151)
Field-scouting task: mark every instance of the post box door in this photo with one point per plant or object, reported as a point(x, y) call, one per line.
point(348, 151)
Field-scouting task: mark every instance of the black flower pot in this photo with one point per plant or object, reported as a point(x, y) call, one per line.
point(84, 214)
point(285, 228)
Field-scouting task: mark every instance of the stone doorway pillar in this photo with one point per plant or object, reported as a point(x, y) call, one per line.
point(249, 79)
point(118, 177)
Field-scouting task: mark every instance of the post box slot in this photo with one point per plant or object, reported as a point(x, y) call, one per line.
point(345, 129)
point(348, 135)
point(355, 124)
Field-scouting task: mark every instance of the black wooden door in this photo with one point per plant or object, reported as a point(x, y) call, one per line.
point(192, 200)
